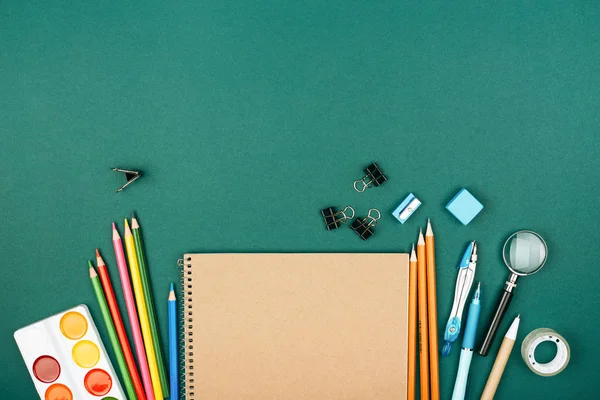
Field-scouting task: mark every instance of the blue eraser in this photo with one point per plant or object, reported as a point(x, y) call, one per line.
point(408, 206)
point(464, 206)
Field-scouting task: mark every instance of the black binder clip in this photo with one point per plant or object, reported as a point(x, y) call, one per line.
point(334, 219)
point(363, 227)
point(130, 175)
point(373, 176)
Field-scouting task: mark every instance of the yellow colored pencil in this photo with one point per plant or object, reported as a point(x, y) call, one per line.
point(434, 372)
point(140, 300)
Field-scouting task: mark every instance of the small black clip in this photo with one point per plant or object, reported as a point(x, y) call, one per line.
point(363, 227)
point(130, 175)
point(334, 219)
point(373, 176)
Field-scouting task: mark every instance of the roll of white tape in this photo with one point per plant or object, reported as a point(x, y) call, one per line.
point(532, 341)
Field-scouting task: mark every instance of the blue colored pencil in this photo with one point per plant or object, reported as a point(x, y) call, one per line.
point(173, 351)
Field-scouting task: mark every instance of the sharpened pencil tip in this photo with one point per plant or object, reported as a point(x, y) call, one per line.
point(421, 241)
point(93, 273)
point(429, 231)
point(413, 254)
point(115, 232)
point(171, 289)
point(127, 229)
point(99, 260)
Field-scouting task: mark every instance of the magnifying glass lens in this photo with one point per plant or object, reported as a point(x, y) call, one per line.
point(525, 252)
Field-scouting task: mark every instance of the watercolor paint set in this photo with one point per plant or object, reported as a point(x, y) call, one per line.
point(66, 358)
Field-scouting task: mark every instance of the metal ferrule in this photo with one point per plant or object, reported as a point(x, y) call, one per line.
point(511, 283)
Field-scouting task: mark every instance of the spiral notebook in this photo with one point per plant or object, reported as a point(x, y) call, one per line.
point(295, 326)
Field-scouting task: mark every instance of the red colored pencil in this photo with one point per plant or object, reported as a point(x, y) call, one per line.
point(116, 315)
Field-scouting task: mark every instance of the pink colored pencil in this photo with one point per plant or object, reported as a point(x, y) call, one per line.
point(132, 313)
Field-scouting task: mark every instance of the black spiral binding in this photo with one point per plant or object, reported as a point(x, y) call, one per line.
point(186, 345)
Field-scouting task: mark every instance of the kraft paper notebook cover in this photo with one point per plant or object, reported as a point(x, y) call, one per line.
point(295, 326)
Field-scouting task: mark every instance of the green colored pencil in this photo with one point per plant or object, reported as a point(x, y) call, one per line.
point(139, 248)
point(112, 333)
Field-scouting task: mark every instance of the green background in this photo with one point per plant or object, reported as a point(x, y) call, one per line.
point(247, 118)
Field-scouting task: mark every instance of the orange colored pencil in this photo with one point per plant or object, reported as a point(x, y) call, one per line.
point(412, 324)
point(434, 368)
point(116, 316)
point(423, 322)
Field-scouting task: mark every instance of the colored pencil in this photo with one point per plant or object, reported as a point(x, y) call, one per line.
point(112, 334)
point(423, 329)
point(134, 323)
point(140, 301)
point(412, 324)
point(139, 248)
point(121, 334)
point(173, 353)
point(434, 368)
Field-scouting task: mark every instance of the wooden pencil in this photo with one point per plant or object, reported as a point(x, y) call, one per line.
point(112, 334)
point(120, 328)
point(423, 322)
point(134, 322)
point(412, 325)
point(139, 248)
point(434, 371)
point(173, 351)
point(140, 301)
point(501, 359)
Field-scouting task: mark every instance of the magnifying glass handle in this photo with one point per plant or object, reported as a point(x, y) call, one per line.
point(495, 322)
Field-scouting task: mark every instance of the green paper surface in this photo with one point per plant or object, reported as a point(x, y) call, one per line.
point(248, 118)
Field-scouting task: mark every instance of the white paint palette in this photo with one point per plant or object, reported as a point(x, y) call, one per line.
point(66, 358)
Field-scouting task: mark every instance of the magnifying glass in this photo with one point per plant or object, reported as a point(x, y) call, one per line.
point(524, 254)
